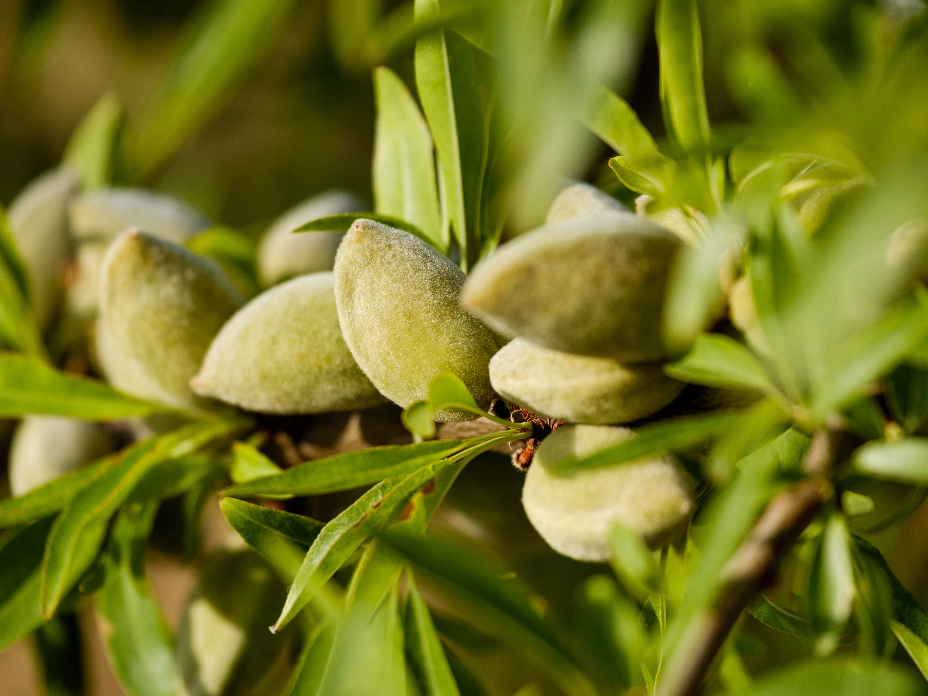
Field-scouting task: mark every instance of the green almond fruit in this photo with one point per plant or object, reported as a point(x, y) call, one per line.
point(104, 213)
point(592, 285)
point(224, 647)
point(578, 388)
point(38, 220)
point(582, 199)
point(575, 514)
point(46, 447)
point(284, 353)
point(283, 254)
point(84, 287)
point(397, 301)
point(160, 307)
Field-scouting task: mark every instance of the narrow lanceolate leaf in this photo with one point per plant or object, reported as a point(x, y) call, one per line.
point(18, 329)
point(310, 668)
point(913, 645)
point(832, 588)
point(351, 23)
point(345, 471)
point(9, 255)
point(496, 601)
point(281, 537)
point(79, 530)
point(780, 619)
point(137, 640)
point(28, 385)
point(682, 95)
point(225, 43)
point(342, 222)
point(901, 460)
point(871, 354)
point(839, 678)
point(616, 124)
point(53, 496)
point(446, 78)
point(343, 535)
point(719, 361)
point(666, 436)
point(92, 152)
point(423, 649)
point(404, 164)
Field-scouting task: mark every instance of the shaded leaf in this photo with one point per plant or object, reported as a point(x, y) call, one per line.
point(423, 648)
point(59, 650)
point(837, 679)
point(608, 621)
point(9, 255)
point(18, 329)
point(28, 385)
point(633, 562)
point(907, 396)
point(404, 164)
point(616, 124)
point(719, 361)
point(831, 586)
point(780, 619)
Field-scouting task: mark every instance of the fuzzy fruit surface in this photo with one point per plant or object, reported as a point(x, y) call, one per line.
point(105, 213)
point(397, 301)
point(578, 388)
point(284, 352)
point(582, 199)
point(46, 447)
point(160, 307)
point(591, 285)
point(575, 513)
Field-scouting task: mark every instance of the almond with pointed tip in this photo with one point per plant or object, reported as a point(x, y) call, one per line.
point(592, 285)
point(582, 199)
point(397, 301)
point(575, 513)
point(161, 305)
point(283, 352)
point(38, 219)
point(284, 255)
point(578, 388)
point(46, 447)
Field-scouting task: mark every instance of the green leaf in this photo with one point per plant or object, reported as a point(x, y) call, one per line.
point(225, 43)
point(404, 164)
point(423, 648)
point(635, 177)
point(351, 23)
point(136, 638)
point(871, 354)
point(616, 124)
point(855, 504)
point(53, 496)
point(831, 585)
point(446, 78)
point(907, 396)
point(837, 679)
point(18, 329)
point(79, 530)
point(719, 361)
point(496, 601)
point(419, 419)
point(281, 537)
point(28, 385)
point(448, 391)
point(666, 436)
point(249, 464)
point(757, 425)
point(310, 668)
point(608, 621)
point(343, 222)
point(778, 618)
point(176, 476)
point(897, 460)
point(864, 418)
point(60, 654)
point(375, 575)
point(93, 150)
point(633, 563)
point(342, 536)
point(913, 645)
point(345, 471)
point(683, 98)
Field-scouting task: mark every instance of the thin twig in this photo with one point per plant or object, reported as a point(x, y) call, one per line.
point(750, 569)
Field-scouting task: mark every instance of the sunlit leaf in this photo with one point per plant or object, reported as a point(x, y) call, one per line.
point(903, 460)
point(778, 618)
point(633, 562)
point(832, 587)
point(249, 464)
point(93, 150)
point(719, 361)
point(837, 679)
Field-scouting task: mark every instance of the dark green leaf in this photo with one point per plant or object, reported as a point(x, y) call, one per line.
point(350, 25)
point(281, 537)
point(634, 563)
point(616, 124)
point(59, 649)
point(375, 575)
point(9, 255)
point(404, 164)
point(666, 436)
point(719, 361)
point(345, 471)
point(608, 620)
point(864, 418)
point(92, 152)
point(343, 222)
point(907, 396)
point(683, 98)
point(224, 44)
point(779, 618)
point(426, 656)
point(249, 464)
point(18, 329)
point(176, 476)
point(28, 385)
point(136, 638)
point(837, 679)
point(53, 496)
point(900, 460)
point(79, 531)
point(831, 584)
point(446, 78)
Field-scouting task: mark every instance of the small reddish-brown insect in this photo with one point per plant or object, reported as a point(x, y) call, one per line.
point(541, 428)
